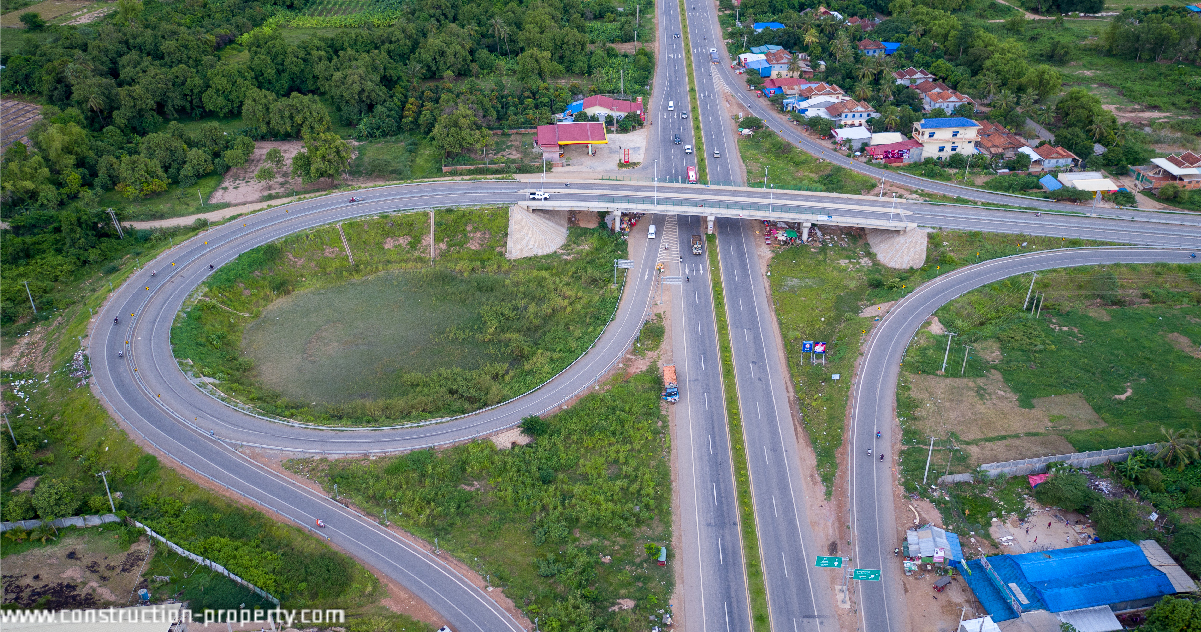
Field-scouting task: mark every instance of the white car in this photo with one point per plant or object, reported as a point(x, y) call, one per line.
point(539, 195)
point(651, 233)
point(671, 106)
point(688, 149)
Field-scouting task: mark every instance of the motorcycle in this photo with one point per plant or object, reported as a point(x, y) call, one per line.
point(881, 458)
point(869, 452)
point(320, 523)
point(1192, 255)
point(877, 434)
point(115, 321)
point(152, 273)
point(353, 199)
point(120, 354)
point(210, 266)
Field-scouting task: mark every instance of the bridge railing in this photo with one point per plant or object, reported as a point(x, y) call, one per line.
point(775, 212)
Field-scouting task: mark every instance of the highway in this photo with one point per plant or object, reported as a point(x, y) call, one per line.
point(667, 161)
point(799, 596)
point(715, 589)
point(875, 530)
point(152, 395)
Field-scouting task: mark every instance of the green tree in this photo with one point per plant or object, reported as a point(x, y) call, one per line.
point(1067, 491)
point(257, 107)
point(1179, 448)
point(138, 176)
point(458, 131)
point(1075, 141)
point(168, 151)
point(264, 174)
point(327, 156)
point(1173, 614)
point(19, 507)
point(64, 146)
point(32, 21)
point(129, 10)
point(275, 158)
point(54, 499)
point(1186, 547)
point(25, 178)
point(197, 165)
point(1119, 519)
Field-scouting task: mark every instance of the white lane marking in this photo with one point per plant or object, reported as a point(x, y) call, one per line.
point(715, 493)
point(710, 444)
point(746, 336)
point(702, 363)
point(752, 370)
point(707, 408)
point(739, 303)
point(768, 461)
point(696, 296)
point(727, 604)
point(773, 507)
point(785, 563)
point(758, 412)
point(721, 559)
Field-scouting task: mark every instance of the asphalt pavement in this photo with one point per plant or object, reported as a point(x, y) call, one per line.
point(715, 589)
point(873, 483)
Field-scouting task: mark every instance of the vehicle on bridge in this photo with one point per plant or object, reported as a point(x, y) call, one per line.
point(539, 195)
point(697, 244)
point(691, 175)
point(671, 392)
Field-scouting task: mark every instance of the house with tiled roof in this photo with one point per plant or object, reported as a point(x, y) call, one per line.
point(871, 48)
point(850, 112)
point(946, 99)
point(1052, 157)
point(911, 76)
point(997, 142)
point(943, 137)
point(780, 60)
point(1183, 170)
point(862, 23)
point(926, 87)
point(819, 89)
point(781, 85)
point(601, 105)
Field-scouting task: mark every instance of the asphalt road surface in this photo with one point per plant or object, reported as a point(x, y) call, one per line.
point(667, 160)
point(873, 483)
point(715, 590)
point(799, 595)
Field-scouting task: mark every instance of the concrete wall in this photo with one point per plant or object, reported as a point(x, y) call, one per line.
point(1022, 467)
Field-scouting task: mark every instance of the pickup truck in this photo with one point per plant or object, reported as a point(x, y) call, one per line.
point(671, 392)
point(697, 244)
point(539, 195)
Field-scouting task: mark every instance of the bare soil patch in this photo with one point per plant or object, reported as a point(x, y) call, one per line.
point(16, 117)
point(48, 10)
point(1126, 114)
point(936, 327)
point(1184, 344)
point(879, 309)
point(510, 438)
point(989, 350)
point(1019, 448)
point(27, 485)
point(80, 571)
point(1068, 412)
point(239, 185)
point(28, 352)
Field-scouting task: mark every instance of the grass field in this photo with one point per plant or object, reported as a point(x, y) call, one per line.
point(325, 8)
point(791, 168)
point(176, 201)
point(351, 345)
point(50, 10)
point(1112, 358)
point(397, 159)
point(566, 526)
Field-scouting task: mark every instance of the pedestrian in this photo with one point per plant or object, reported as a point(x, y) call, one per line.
point(1027, 530)
point(1048, 524)
point(1036, 539)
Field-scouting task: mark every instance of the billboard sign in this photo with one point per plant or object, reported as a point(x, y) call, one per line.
point(807, 346)
point(819, 347)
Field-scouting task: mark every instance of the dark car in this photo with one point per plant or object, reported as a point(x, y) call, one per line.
point(676, 139)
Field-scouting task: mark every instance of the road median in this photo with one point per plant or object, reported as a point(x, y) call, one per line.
point(702, 171)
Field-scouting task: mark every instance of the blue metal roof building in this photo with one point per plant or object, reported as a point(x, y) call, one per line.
point(759, 26)
point(890, 47)
point(1065, 579)
point(1050, 183)
point(766, 48)
point(943, 123)
point(763, 67)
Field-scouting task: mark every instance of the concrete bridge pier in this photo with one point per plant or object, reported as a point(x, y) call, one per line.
point(712, 219)
point(805, 231)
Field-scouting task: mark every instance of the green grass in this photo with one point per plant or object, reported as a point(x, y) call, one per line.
point(702, 172)
point(561, 525)
point(399, 158)
point(756, 585)
point(650, 336)
point(176, 201)
point(493, 328)
point(1097, 357)
point(75, 438)
point(791, 168)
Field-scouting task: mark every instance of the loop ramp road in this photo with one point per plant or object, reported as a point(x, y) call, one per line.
point(875, 530)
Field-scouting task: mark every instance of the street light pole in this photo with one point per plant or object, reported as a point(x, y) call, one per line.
point(103, 475)
point(946, 355)
point(656, 182)
point(27, 293)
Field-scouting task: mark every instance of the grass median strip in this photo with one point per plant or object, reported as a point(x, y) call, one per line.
point(742, 478)
point(698, 138)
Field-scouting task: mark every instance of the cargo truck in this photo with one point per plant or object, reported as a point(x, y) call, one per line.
point(696, 244)
point(671, 392)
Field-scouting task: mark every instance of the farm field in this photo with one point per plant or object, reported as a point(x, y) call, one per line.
point(56, 11)
point(330, 8)
point(1114, 355)
point(17, 117)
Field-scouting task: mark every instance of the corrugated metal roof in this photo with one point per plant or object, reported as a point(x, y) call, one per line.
point(928, 540)
point(1097, 619)
point(1160, 559)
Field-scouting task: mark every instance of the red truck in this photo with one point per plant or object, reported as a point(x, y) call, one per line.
point(691, 175)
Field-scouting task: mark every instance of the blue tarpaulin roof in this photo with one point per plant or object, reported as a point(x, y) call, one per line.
point(1194, 8)
point(1068, 579)
point(574, 108)
point(890, 47)
point(954, 121)
point(759, 26)
point(1050, 183)
point(763, 67)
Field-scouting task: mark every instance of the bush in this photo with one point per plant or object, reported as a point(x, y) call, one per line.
point(1118, 519)
point(1124, 198)
point(750, 122)
point(1153, 479)
point(1173, 614)
point(1067, 491)
point(1186, 547)
point(32, 21)
point(1069, 194)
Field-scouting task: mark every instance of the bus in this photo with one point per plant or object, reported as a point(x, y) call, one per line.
point(691, 175)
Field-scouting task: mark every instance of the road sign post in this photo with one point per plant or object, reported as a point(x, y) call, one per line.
point(824, 561)
point(866, 574)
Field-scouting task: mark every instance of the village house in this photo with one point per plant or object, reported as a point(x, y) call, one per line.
point(871, 48)
point(911, 76)
point(944, 137)
point(1052, 158)
point(1183, 170)
point(850, 112)
point(998, 143)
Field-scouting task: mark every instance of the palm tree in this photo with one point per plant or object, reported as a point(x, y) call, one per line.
point(891, 121)
point(502, 32)
point(794, 66)
point(863, 92)
point(811, 38)
point(1044, 116)
point(1027, 102)
point(1098, 129)
point(1179, 449)
point(991, 83)
point(886, 88)
point(1004, 101)
point(867, 72)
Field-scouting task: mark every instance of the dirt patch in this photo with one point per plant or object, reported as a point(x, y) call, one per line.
point(80, 571)
point(1184, 344)
point(877, 310)
point(17, 117)
point(478, 239)
point(1126, 114)
point(1019, 448)
point(27, 485)
point(989, 351)
point(1123, 396)
point(623, 604)
point(936, 327)
point(1045, 528)
point(1068, 412)
point(1099, 313)
point(510, 438)
point(984, 407)
point(240, 187)
point(28, 352)
point(393, 242)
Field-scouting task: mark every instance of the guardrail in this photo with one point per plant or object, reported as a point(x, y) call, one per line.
point(777, 212)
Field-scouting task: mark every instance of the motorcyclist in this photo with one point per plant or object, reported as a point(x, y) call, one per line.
point(153, 272)
point(210, 266)
point(881, 457)
point(120, 354)
point(896, 552)
point(877, 434)
point(869, 452)
point(115, 321)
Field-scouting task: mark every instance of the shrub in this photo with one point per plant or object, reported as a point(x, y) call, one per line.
point(1118, 519)
point(1124, 198)
point(1068, 491)
point(32, 21)
point(1153, 479)
point(1186, 547)
point(1173, 614)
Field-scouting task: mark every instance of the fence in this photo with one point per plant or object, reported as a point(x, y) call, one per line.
point(1022, 467)
point(61, 523)
point(206, 563)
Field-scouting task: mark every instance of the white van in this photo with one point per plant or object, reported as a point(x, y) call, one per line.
point(651, 234)
point(671, 106)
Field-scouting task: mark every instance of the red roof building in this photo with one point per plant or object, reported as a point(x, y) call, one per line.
point(866, 25)
point(552, 137)
point(997, 142)
point(911, 76)
point(1055, 157)
point(819, 89)
point(908, 150)
point(601, 103)
point(871, 48)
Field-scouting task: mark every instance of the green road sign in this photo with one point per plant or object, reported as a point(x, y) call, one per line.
point(866, 574)
point(828, 562)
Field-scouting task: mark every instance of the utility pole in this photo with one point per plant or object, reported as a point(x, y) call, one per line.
point(1041, 298)
point(27, 293)
point(104, 476)
point(928, 457)
point(118, 224)
point(964, 367)
point(947, 354)
point(8, 422)
point(656, 182)
point(432, 233)
point(1027, 301)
